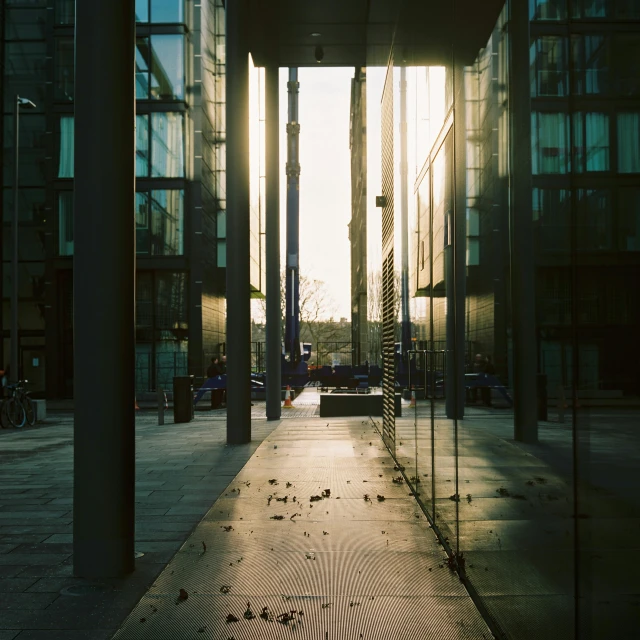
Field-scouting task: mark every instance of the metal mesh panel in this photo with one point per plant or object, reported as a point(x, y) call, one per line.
point(388, 280)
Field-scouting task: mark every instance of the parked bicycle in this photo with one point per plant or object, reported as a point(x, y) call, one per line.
point(17, 407)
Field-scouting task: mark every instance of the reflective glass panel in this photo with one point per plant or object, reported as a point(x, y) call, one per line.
point(167, 67)
point(65, 160)
point(65, 11)
point(65, 223)
point(547, 9)
point(167, 145)
point(626, 63)
point(25, 73)
point(64, 70)
point(551, 219)
point(548, 66)
point(591, 8)
point(160, 223)
point(167, 11)
point(594, 223)
point(629, 142)
point(25, 24)
point(142, 145)
point(142, 10)
point(550, 142)
point(142, 68)
point(591, 54)
point(591, 141)
point(629, 219)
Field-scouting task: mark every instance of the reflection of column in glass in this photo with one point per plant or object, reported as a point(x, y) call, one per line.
point(404, 217)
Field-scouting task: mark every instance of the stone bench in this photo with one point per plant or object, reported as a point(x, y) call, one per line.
point(333, 405)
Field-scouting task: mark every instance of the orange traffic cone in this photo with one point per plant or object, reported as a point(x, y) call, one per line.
point(287, 399)
point(413, 398)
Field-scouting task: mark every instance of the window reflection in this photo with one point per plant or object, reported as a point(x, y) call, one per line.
point(65, 223)
point(65, 11)
point(550, 142)
point(64, 69)
point(626, 63)
point(547, 9)
point(142, 68)
point(591, 141)
point(65, 162)
point(167, 145)
point(142, 145)
point(549, 66)
point(594, 223)
point(591, 8)
point(551, 219)
point(590, 54)
point(160, 11)
point(629, 219)
point(160, 223)
point(167, 67)
point(629, 142)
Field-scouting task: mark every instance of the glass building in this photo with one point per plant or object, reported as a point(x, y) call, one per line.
point(180, 203)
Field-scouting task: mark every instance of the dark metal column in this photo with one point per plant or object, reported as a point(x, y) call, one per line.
point(274, 349)
point(522, 255)
point(238, 225)
point(104, 289)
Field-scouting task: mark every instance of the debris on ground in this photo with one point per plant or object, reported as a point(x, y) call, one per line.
point(289, 485)
point(225, 588)
point(273, 481)
point(248, 614)
point(204, 547)
point(283, 499)
point(398, 480)
point(231, 618)
point(277, 517)
point(326, 493)
point(326, 605)
point(503, 492)
point(182, 596)
point(367, 498)
point(381, 498)
point(455, 497)
point(202, 629)
point(469, 498)
point(265, 614)
point(226, 528)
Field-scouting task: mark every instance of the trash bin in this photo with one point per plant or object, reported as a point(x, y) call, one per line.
point(183, 398)
point(542, 396)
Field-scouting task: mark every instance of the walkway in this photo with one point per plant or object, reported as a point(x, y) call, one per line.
point(301, 529)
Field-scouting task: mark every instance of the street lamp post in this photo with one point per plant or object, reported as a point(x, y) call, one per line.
point(27, 104)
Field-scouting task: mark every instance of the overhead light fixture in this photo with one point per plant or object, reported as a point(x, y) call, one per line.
point(319, 53)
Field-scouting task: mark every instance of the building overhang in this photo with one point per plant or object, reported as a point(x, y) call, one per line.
point(359, 33)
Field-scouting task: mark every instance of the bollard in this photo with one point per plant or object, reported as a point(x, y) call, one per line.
point(160, 406)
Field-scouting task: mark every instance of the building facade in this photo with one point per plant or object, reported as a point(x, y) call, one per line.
point(180, 204)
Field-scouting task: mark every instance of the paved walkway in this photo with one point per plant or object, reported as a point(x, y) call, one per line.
point(313, 528)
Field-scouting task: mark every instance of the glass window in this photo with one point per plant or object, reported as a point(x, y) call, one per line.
point(591, 8)
point(629, 219)
point(547, 10)
point(65, 223)
point(167, 11)
point(550, 142)
point(64, 69)
point(628, 9)
point(591, 142)
point(160, 223)
point(65, 11)
point(167, 67)
point(25, 73)
point(167, 145)
point(32, 149)
point(551, 219)
point(591, 64)
point(65, 161)
point(142, 10)
point(31, 206)
point(160, 11)
point(627, 63)
point(142, 145)
point(548, 66)
point(629, 142)
point(594, 224)
point(142, 68)
point(25, 24)
point(171, 305)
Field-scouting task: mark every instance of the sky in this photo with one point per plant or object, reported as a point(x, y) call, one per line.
point(325, 178)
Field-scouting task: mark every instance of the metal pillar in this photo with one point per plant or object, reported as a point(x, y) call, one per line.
point(522, 254)
point(238, 225)
point(292, 313)
point(274, 349)
point(15, 341)
point(104, 289)
point(404, 217)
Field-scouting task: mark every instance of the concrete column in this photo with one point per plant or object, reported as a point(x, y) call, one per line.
point(238, 245)
point(273, 321)
point(521, 250)
point(104, 289)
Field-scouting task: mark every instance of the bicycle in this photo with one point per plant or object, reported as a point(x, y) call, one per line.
point(12, 413)
point(17, 407)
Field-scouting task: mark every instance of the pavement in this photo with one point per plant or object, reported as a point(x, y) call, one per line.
point(508, 508)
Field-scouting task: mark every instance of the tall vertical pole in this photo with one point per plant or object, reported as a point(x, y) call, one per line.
point(521, 231)
point(274, 350)
point(238, 225)
point(292, 313)
point(104, 290)
point(404, 215)
point(15, 342)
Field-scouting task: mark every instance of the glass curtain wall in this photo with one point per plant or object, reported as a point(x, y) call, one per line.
point(533, 166)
